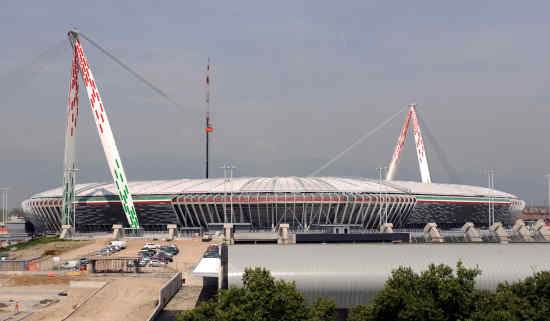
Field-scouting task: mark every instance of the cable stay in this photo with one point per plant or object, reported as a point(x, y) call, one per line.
point(20, 75)
point(138, 76)
point(440, 153)
point(357, 142)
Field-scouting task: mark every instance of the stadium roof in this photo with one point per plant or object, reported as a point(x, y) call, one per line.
point(277, 184)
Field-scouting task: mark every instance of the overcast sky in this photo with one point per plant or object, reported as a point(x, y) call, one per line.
point(294, 83)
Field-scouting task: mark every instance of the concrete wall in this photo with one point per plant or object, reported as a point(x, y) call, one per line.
point(166, 293)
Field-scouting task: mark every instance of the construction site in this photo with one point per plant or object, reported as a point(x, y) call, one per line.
point(147, 250)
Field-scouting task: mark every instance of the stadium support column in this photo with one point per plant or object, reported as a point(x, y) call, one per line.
point(105, 133)
point(69, 161)
point(397, 152)
point(420, 150)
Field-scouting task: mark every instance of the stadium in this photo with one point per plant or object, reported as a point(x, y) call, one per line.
point(310, 203)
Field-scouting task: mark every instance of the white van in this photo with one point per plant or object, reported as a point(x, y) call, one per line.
point(70, 265)
point(121, 244)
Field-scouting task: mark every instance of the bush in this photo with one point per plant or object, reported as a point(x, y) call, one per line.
point(261, 298)
point(439, 293)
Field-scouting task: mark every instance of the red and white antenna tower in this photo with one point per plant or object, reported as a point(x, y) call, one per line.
point(208, 129)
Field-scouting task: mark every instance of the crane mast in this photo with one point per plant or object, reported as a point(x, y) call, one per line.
point(103, 128)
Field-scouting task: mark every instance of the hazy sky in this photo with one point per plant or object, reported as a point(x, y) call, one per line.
point(294, 83)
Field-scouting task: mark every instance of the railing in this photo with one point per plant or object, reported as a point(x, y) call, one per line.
point(14, 265)
point(166, 293)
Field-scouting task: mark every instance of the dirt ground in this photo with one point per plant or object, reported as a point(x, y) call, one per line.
point(61, 249)
point(39, 295)
point(122, 298)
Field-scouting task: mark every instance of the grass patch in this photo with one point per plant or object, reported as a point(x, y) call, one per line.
point(43, 240)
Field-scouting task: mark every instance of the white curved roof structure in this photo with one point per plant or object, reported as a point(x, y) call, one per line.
point(278, 184)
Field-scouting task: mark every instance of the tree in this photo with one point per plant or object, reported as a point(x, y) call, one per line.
point(523, 300)
point(434, 294)
point(323, 309)
point(261, 298)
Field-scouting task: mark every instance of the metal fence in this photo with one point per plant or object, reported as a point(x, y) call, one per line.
point(14, 265)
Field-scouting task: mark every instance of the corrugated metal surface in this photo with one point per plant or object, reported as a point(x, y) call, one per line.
point(351, 274)
point(278, 184)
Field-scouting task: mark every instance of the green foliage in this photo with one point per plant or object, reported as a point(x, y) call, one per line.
point(261, 298)
point(360, 312)
point(323, 309)
point(42, 240)
point(524, 300)
point(435, 294)
point(439, 293)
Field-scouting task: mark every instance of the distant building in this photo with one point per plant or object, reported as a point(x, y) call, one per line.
point(534, 213)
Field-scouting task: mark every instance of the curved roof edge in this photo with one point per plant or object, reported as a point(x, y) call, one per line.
point(279, 184)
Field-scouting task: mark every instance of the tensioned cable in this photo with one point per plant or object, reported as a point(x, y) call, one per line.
point(134, 73)
point(440, 152)
point(23, 73)
point(359, 141)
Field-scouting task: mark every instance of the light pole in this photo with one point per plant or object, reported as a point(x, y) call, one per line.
point(227, 168)
point(380, 211)
point(491, 180)
point(4, 191)
point(72, 172)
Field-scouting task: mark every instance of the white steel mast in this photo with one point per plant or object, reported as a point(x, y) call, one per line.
point(420, 150)
point(397, 152)
point(105, 133)
point(69, 161)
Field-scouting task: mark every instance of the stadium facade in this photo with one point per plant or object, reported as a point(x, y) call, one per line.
point(262, 203)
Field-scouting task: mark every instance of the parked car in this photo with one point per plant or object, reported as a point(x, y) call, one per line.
point(160, 258)
point(162, 255)
point(211, 255)
point(148, 253)
point(165, 252)
point(84, 260)
point(170, 249)
point(151, 246)
point(105, 251)
point(206, 238)
point(157, 263)
point(70, 265)
point(144, 261)
point(120, 244)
